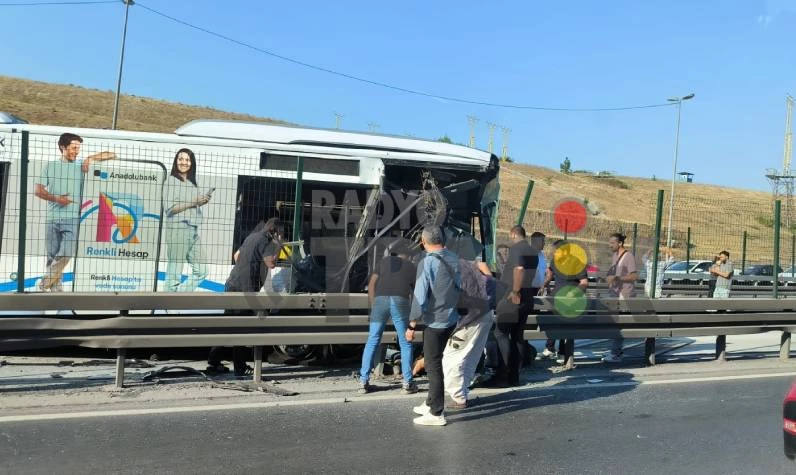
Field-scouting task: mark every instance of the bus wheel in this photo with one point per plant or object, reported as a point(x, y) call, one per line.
point(291, 354)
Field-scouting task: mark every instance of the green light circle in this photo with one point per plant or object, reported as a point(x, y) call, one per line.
point(570, 301)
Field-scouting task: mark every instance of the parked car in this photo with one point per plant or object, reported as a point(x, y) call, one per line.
point(689, 267)
point(593, 272)
point(680, 272)
point(761, 269)
point(789, 273)
point(7, 118)
point(789, 422)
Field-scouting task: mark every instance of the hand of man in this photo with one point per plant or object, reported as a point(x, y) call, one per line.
point(410, 334)
point(86, 164)
point(63, 200)
point(515, 298)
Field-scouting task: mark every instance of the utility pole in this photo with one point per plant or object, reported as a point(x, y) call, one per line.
point(372, 126)
point(338, 120)
point(492, 126)
point(472, 120)
point(504, 153)
point(127, 4)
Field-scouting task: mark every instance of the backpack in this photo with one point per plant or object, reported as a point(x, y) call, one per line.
point(477, 293)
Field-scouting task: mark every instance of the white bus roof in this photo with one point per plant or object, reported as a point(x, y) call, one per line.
point(282, 134)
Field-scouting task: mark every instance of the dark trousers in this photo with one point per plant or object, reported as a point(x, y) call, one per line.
point(510, 340)
point(434, 341)
point(240, 354)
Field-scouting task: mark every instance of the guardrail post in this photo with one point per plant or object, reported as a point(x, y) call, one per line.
point(743, 253)
point(649, 351)
point(23, 212)
point(120, 355)
point(525, 201)
point(775, 272)
point(784, 346)
point(721, 348)
point(258, 364)
point(381, 355)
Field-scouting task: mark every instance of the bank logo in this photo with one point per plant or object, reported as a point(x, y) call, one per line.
point(119, 217)
point(123, 175)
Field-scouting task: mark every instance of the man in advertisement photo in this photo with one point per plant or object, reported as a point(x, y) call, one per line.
point(60, 186)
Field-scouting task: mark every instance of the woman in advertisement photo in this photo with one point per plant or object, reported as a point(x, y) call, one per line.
point(182, 203)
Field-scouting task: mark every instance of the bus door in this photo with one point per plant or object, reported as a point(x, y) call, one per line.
point(121, 223)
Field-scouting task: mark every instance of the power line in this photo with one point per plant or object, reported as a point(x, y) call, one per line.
point(391, 86)
point(38, 4)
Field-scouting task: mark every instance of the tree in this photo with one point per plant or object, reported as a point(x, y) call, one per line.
point(445, 139)
point(566, 166)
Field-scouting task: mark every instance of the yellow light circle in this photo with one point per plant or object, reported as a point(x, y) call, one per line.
point(570, 259)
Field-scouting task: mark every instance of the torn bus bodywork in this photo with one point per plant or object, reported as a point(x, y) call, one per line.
point(345, 231)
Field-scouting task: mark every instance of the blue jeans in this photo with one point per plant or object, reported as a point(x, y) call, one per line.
point(398, 309)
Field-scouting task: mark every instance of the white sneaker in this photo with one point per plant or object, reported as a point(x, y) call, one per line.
point(612, 358)
point(429, 420)
point(422, 409)
point(548, 354)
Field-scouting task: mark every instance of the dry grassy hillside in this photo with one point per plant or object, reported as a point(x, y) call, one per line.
point(718, 216)
point(56, 104)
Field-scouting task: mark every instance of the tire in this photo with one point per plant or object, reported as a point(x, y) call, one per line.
point(292, 354)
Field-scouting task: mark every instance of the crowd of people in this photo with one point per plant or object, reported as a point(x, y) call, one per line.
point(463, 309)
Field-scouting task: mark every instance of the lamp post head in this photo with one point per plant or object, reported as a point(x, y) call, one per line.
point(681, 99)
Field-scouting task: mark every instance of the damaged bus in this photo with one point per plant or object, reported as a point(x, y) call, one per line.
point(343, 197)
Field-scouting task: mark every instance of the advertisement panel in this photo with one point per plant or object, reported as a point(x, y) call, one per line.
point(120, 227)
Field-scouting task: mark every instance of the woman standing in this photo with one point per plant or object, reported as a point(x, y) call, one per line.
point(183, 202)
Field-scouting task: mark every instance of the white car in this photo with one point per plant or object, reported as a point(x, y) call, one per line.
point(789, 273)
point(680, 272)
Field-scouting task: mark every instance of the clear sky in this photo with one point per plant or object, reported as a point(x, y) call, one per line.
point(737, 56)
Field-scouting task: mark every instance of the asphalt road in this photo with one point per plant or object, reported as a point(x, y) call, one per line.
point(722, 427)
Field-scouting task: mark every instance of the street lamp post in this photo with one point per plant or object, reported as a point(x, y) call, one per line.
point(127, 4)
point(679, 102)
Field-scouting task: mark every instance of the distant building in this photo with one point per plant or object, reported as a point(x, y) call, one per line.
point(687, 177)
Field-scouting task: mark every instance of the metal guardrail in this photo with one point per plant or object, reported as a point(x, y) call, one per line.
point(342, 319)
point(661, 318)
point(748, 286)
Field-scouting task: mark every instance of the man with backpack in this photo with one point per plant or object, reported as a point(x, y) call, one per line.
point(436, 297)
point(467, 343)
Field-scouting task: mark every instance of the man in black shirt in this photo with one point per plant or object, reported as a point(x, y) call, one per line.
point(255, 256)
point(513, 309)
point(388, 292)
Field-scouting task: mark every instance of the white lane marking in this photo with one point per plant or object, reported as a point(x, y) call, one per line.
point(355, 399)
